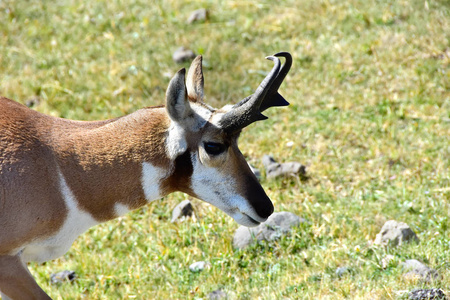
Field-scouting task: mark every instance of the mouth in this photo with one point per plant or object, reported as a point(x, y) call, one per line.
point(245, 220)
point(251, 220)
point(243, 214)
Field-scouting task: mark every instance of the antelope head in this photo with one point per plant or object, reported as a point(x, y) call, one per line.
point(202, 143)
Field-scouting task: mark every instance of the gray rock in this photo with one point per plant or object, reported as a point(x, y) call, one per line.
point(416, 269)
point(199, 15)
point(217, 295)
point(63, 276)
point(341, 271)
point(277, 224)
point(182, 55)
point(181, 211)
point(395, 233)
point(198, 266)
point(34, 101)
point(426, 294)
point(275, 169)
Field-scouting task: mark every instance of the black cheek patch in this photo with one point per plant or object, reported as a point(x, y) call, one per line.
point(180, 179)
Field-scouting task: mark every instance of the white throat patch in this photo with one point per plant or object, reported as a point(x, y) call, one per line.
point(176, 143)
point(151, 178)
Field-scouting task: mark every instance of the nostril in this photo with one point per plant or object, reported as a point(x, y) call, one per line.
point(271, 208)
point(258, 198)
point(265, 208)
point(262, 205)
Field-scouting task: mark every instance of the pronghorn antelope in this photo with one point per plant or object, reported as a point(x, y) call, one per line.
point(60, 177)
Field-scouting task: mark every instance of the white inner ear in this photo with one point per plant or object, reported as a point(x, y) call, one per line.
point(194, 80)
point(194, 91)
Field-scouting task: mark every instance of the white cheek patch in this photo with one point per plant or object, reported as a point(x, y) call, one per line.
point(77, 221)
point(151, 177)
point(213, 187)
point(219, 190)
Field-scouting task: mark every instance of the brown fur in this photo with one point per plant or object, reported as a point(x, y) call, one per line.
point(26, 288)
point(100, 161)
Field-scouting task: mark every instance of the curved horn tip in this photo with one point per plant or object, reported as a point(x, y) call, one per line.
point(282, 54)
point(271, 57)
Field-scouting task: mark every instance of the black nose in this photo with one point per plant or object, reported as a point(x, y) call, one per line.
point(257, 197)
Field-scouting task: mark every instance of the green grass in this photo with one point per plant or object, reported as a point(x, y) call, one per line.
point(369, 116)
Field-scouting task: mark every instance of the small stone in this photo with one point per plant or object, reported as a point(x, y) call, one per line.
point(167, 74)
point(275, 169)
point(199, 15)
point(277, 225)
point(182, 55)
point(133, 70)
point(62, 276)
point(387, 260)
point(395, 234)
point(198, 266)
point(289, 144)
point(341, 271)
point(416, 269)
point(182, 211)
point(34, 101)
point(427, 294)
point(217, 295)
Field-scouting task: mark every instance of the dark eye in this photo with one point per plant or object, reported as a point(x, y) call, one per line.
point(213, 148)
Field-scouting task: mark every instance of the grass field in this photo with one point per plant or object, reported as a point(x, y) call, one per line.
point(369, 117)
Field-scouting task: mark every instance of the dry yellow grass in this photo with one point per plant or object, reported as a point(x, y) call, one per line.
point(369, 116)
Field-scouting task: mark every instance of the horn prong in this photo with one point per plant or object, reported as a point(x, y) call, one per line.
point(266, 95)
point(273, 98)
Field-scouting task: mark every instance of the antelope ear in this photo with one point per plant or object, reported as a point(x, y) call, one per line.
point(194, 80)
point(177, 105)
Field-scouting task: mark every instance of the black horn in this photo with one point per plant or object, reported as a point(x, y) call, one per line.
point(266, 95)
point(273, 98)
